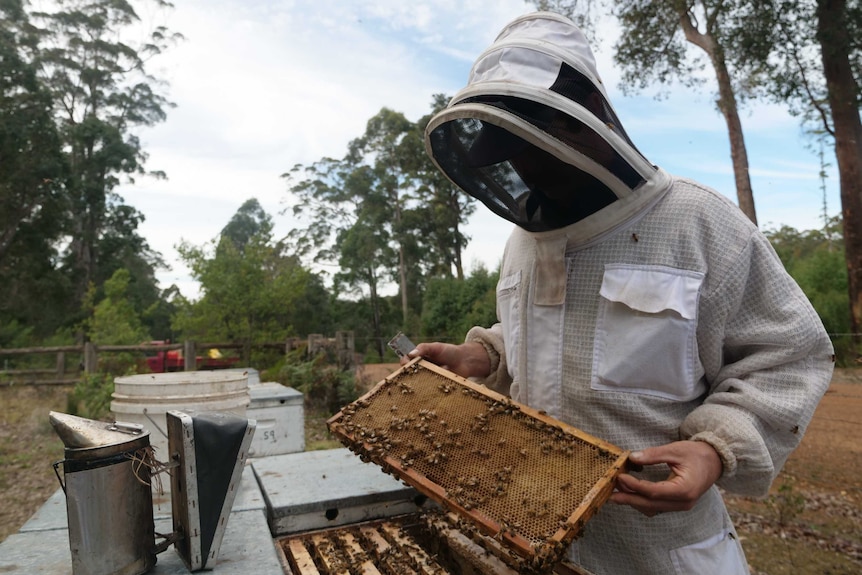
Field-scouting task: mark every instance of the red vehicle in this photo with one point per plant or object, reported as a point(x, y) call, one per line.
point(173, 360)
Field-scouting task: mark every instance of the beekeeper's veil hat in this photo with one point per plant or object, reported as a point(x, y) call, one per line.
point(535, 93)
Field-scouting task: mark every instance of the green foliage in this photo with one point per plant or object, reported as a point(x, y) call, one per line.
point(100, 93)
point(324, 384)
point(32, 169)
point(250, 220)
point(383, 214)
point(114, 321)
point(787, 503)
point(452, 307)
point(252, 289)
point(816, 260)
point(91, 398)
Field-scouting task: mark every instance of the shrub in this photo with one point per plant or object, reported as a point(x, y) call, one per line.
point(91, 397)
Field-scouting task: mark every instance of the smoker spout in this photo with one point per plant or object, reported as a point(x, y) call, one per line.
point(79, 432)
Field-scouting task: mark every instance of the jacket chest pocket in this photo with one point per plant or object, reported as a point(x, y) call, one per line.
point(646, 332)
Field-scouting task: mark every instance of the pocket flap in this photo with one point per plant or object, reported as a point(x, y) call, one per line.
point(508, 282)
point(653, 289)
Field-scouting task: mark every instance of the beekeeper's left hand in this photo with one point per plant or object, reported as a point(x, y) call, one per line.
point(694, 467)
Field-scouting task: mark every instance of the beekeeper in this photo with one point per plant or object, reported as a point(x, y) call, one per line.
point(643, 308)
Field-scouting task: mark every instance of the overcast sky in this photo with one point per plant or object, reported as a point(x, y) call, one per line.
point(261, 86)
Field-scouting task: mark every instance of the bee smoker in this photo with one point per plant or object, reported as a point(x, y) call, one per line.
point(109, 502)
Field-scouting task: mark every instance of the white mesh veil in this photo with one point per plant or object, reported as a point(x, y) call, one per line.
point(532, 135)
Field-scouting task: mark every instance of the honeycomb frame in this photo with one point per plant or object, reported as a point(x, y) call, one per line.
point(515, 473)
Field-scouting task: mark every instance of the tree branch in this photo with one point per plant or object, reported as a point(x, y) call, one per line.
point(693, 35)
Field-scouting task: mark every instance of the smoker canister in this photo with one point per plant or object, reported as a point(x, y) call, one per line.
point(109, 504)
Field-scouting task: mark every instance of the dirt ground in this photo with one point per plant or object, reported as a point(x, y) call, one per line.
point(811, 523)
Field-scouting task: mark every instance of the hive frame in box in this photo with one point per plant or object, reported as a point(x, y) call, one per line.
point(389, 546)
point(377, 425)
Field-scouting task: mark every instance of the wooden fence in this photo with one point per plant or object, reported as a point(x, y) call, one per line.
point(64, 373)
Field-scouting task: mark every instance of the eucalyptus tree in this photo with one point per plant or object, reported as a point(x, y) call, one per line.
point(381, 213)
point(363, 216)
point(348, 227)
point(654, 46)
point(101, 93)
point(379, 154)
point(814, 64)
point(30, 160)
point(248, 221)
point(120, 246)
point(439, 226)
point(251, 292)
point(32, 216)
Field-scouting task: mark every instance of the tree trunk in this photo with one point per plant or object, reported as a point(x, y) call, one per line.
point(728, 107)
point(834, 39)
point(738, 152)
point(402, 264)
point(402, 276)
point(456, 237)
point(375, 312)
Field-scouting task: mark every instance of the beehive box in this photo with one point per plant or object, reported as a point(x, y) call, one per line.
point(424, 543)
point(280, 417)
point(516, 474)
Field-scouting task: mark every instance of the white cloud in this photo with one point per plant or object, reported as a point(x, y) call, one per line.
point(263, 85)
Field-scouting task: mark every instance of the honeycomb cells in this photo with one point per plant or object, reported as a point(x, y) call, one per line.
point(523, 475)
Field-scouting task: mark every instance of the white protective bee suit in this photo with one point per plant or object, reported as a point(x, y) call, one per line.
point(644, 309)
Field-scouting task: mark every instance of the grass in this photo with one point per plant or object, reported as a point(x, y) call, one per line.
point(317, 435)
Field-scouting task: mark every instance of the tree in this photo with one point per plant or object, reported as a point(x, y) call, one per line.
point(838, 33)
point(451, 306)
point(652, 47)
point(30, 160)
point(345, 229)
point(253, 293)
point(815, 259)
point(359, 209)
point(114, 320)
point(111, 320)
point(101, 93)
point(382, 212)
point(814, 65)
point(447, 208)
point(32, 208)
point(379, 155)
point(249, 220)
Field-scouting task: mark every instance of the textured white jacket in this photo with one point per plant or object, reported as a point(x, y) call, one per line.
point(661, 315)
point(678, 323)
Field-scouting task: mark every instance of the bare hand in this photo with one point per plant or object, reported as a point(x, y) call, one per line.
point(694, 467)
point(467, 360)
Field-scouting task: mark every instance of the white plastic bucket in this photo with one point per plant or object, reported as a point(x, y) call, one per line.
point(145, 398)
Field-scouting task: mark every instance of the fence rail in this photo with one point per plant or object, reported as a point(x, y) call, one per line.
point(342, 344)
